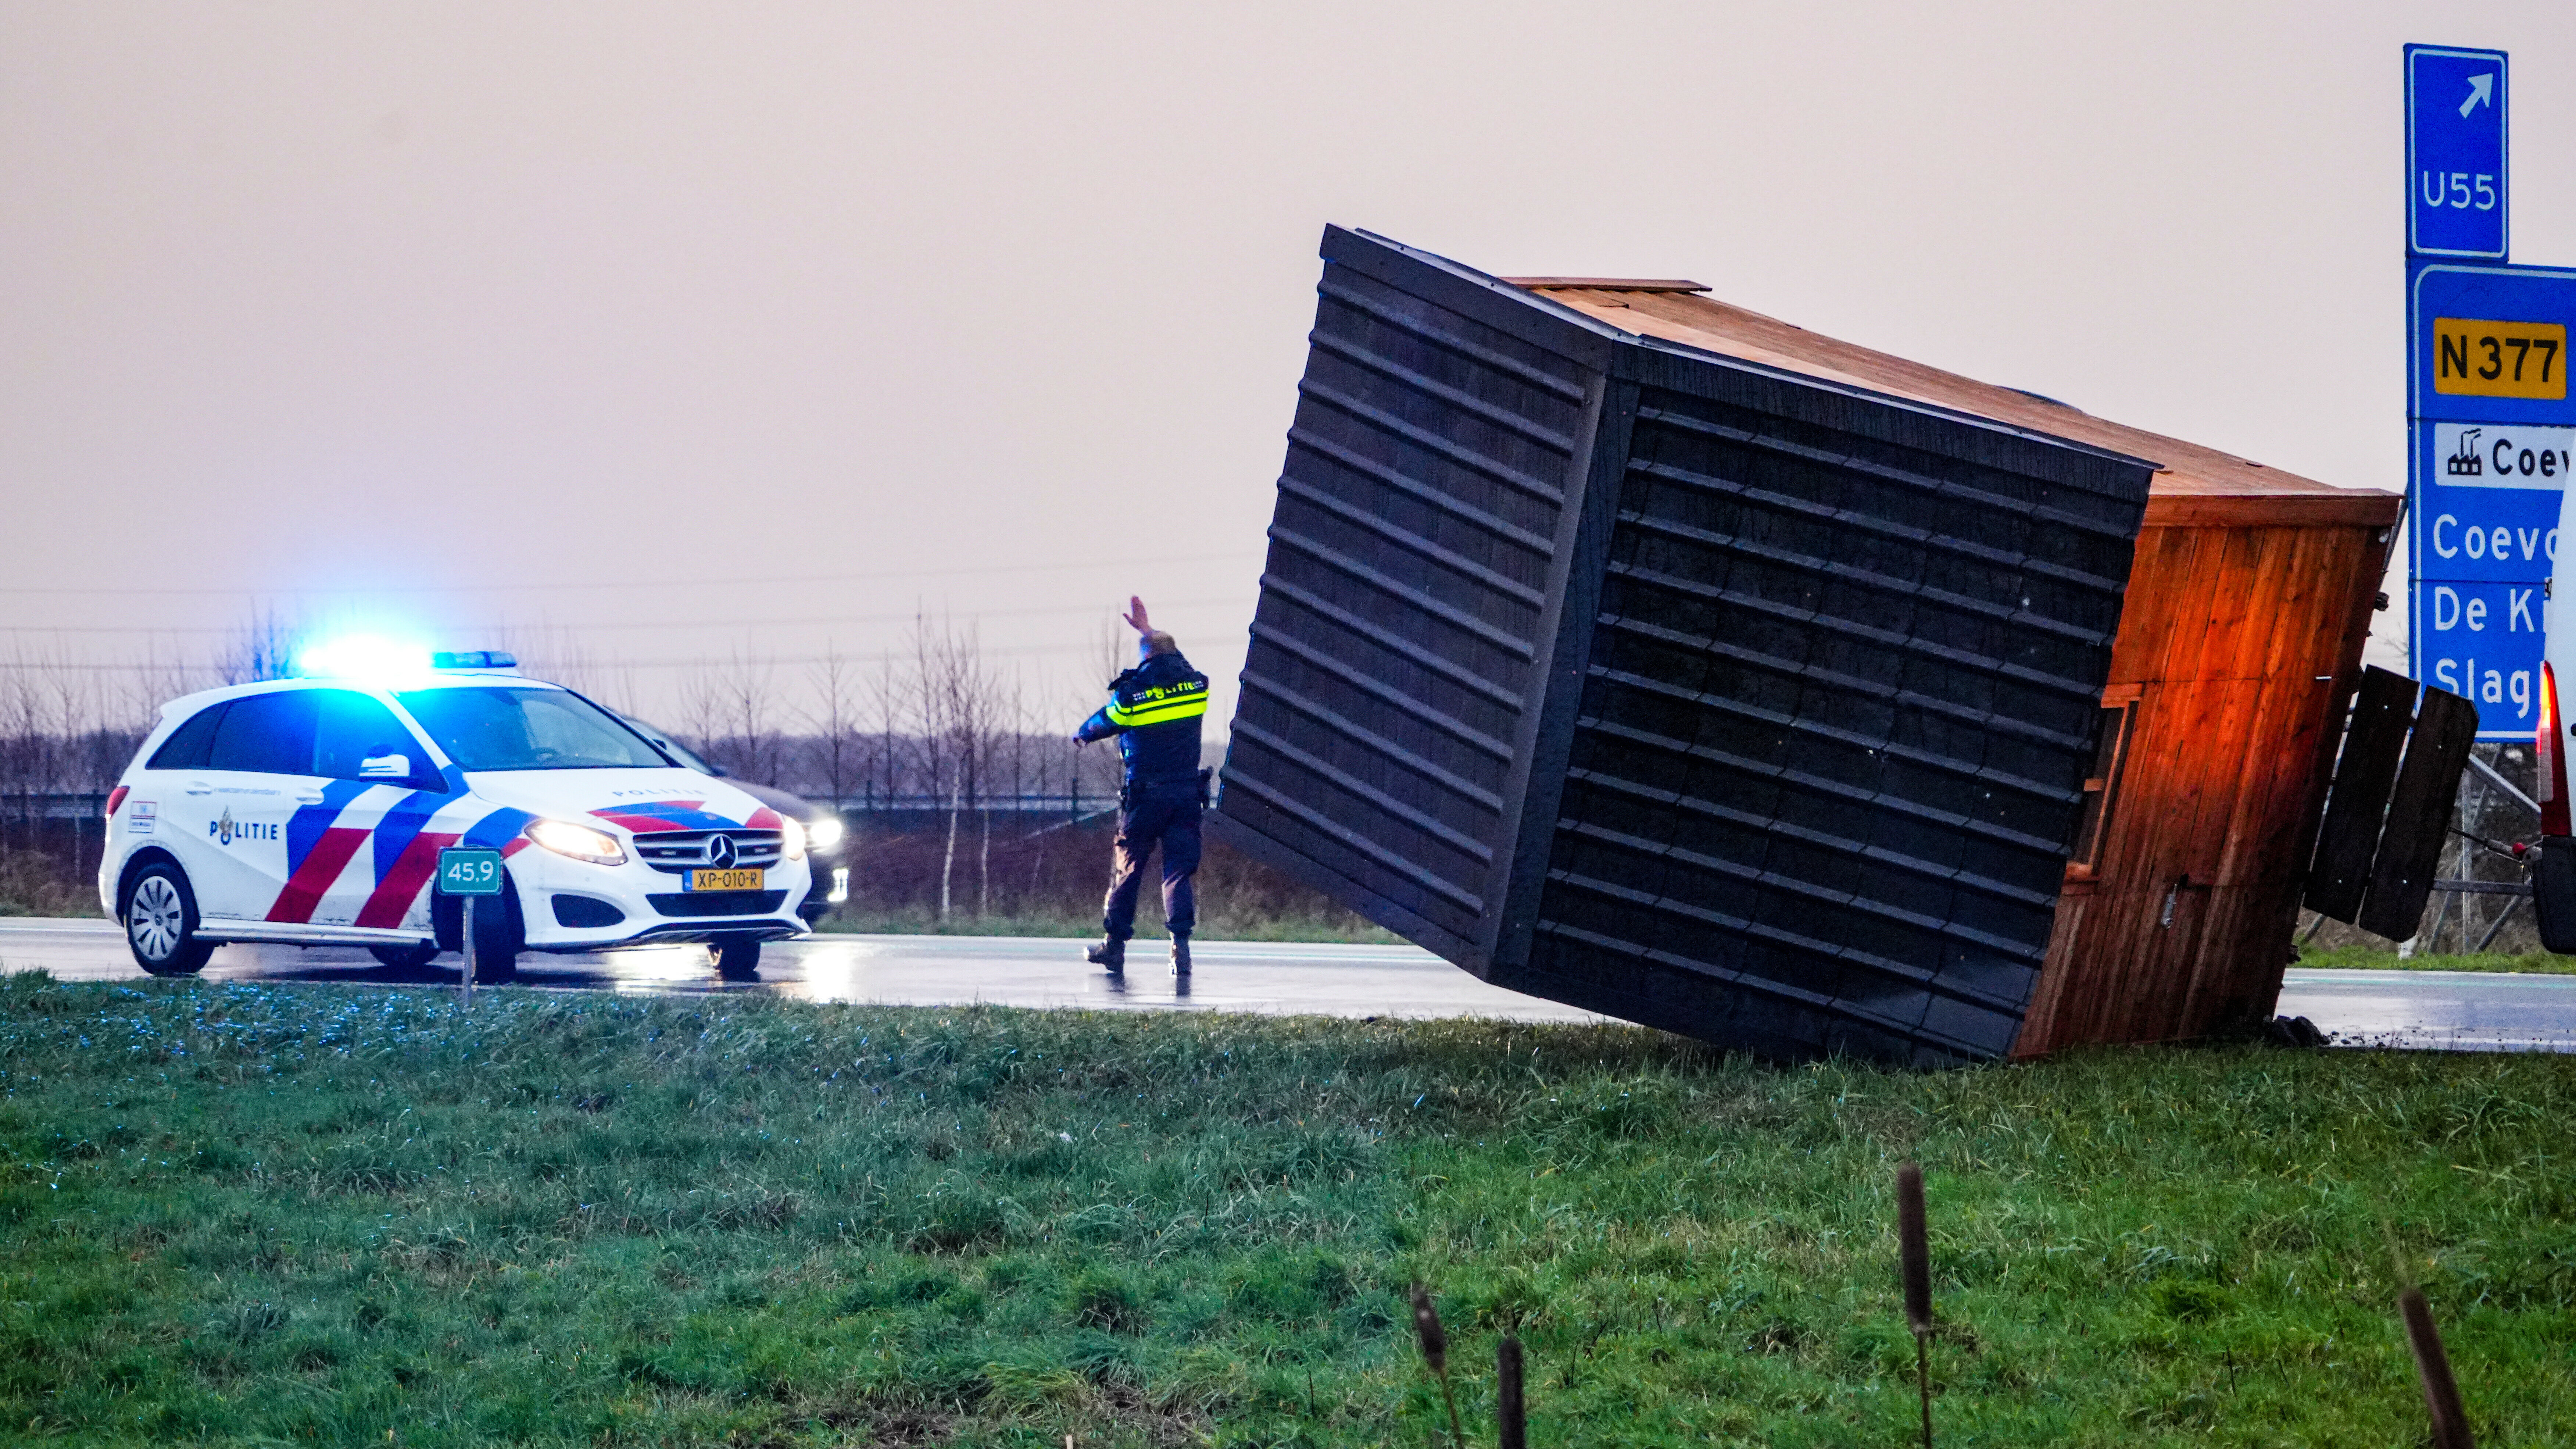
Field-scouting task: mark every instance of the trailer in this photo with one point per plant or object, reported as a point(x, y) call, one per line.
point(1644, 653)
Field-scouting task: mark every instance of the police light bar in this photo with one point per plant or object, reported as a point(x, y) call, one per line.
point(358, 656)
point(473, 659)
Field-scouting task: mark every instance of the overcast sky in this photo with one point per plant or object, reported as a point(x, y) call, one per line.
point(694, 332)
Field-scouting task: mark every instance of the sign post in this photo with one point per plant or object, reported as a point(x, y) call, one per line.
point(473, 873)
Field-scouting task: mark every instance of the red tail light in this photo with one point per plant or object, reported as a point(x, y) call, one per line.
point(2549, 751)
point(115, 798)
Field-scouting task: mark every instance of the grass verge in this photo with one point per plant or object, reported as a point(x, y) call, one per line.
point(2385, 958)
point(34, 883)
point(236, 1214)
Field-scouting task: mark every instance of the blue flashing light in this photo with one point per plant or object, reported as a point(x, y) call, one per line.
point(361, 656)
point(474, 659)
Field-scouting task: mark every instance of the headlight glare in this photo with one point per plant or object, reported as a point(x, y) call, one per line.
point(580, 842)
point(792, 837)
point(825, 833)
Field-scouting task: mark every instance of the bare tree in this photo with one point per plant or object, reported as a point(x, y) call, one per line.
point(837, 749)
point(558, 654)
point(264, 649)
point(963, 718)
point(892, 707)
point(944, 665)
point(68, 713)
point(1115, 653)
point(729, 716)
point(153, 682)
point(930, 695)
point(21, 738)
point(1002, 748)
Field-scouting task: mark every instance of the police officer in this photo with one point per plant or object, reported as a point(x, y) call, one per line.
point(1154, 709)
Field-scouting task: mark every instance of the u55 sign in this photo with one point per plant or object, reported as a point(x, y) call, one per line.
point(2455, 152)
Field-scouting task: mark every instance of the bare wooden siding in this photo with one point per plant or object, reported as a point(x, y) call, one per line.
point(2185, 925)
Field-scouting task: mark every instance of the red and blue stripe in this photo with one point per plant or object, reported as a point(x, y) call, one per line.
point(317, 850)
point(654, 816)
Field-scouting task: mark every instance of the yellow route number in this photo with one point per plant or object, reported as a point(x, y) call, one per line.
point(2499, 359)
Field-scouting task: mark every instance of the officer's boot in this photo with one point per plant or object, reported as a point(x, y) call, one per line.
point(1110, 954)
point(1180, 953)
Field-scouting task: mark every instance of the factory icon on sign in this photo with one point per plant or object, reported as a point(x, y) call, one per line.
point(2465, 463)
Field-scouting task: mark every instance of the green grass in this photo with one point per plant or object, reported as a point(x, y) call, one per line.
point(237, 1215)
point(2385, 958)
point(34, 883)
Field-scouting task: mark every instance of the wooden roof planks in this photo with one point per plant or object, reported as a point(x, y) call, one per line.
point(2193, 484)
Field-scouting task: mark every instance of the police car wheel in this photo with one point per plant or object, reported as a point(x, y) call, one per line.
point(161, 924)
point(736, 960)
point(404, 958)
point(496, 945)
point(500, 933)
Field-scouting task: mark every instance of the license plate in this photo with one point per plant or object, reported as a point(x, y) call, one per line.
point(736, 879)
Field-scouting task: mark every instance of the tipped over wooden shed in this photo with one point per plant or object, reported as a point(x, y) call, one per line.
point(2238, 648)
point(1644, 653)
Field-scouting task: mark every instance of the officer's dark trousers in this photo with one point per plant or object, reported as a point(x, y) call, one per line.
point(1164, 814)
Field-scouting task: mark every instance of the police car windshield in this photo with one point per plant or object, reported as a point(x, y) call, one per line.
point(527, 729)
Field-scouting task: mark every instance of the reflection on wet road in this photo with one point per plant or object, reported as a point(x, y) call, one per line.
point(2416, 1009)
point(2438, 1010)
point(1274, 978)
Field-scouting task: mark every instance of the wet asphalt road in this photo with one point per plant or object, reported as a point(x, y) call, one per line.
point(1272, 978)
point(2437, 1010)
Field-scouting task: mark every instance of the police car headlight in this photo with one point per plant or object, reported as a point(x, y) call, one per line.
point(825, 833)
point(578, 841)
point(791, 833)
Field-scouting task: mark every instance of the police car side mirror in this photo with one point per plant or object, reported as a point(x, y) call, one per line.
point(385, 767)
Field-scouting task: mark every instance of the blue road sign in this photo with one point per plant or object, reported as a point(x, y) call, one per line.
point(2492, 434)
point(2455, 152)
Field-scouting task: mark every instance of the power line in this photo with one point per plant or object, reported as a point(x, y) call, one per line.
point(659, 582)
point(584, 665)
point(237, 629)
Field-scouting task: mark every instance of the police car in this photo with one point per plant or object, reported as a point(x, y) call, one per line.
point(311, 811)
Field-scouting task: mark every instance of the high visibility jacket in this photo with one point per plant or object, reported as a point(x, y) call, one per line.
point(1154, 709)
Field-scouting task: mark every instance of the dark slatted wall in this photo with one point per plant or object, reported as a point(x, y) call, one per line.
point(1713, 697)
point(1835, 724)
point(1391, 663)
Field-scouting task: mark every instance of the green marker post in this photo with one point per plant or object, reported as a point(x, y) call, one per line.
point(472, 873)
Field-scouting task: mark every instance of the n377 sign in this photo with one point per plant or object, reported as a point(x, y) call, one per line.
point(2494, 444)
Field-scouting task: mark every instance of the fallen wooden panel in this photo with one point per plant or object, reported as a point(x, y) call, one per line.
point(2372, 746)
point(2419, 815)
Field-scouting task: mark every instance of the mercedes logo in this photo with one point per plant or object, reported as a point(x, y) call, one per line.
point(720, 851)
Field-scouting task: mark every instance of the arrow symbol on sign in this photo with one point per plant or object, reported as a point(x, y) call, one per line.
point(2481, 90)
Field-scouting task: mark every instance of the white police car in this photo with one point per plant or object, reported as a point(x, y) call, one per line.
point(311, 811)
